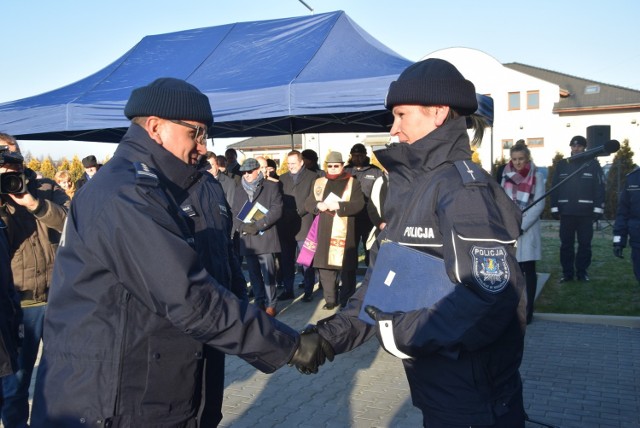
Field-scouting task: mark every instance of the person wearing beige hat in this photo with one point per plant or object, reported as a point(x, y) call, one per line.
point(336, 198)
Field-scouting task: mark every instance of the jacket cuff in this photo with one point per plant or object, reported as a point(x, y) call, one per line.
point(41, 209)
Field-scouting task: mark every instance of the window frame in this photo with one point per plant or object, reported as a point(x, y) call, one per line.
point(511, 107)
point(535, 142)
point(537, 106)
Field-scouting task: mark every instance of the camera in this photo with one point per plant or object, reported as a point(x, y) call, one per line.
point(11, 182)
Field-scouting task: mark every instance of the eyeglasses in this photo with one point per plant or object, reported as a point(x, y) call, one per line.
point(334, 165)
point(250, 172)
point(201, 133)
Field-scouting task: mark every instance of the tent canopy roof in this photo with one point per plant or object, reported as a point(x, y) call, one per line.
point(319, 73)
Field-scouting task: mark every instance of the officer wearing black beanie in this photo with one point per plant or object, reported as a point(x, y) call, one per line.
point(577, 202)
point(462, 355)
point(131, 304)
point(433, 82)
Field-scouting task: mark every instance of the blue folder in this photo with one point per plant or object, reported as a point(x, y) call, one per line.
point(404, 279)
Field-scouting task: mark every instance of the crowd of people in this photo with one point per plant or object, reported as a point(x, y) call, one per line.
point(147, 293)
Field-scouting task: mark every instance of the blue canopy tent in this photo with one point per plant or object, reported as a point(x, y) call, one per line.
point(319, 73)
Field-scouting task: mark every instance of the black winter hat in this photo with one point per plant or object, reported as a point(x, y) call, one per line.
point(578, 139)
point(358, 148)
point(433, 82)
point(310, 155)
point(89, 161)
point(170, 98)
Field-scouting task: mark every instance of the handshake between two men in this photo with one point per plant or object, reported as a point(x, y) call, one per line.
point(312, 351)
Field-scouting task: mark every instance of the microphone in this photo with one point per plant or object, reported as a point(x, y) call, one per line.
point(606, 149)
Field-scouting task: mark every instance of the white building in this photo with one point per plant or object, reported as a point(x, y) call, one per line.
point(543, 107)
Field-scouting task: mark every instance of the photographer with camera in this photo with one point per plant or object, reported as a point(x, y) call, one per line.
point(34, 211)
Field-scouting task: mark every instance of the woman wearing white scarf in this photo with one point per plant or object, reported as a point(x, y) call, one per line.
point(524, 183)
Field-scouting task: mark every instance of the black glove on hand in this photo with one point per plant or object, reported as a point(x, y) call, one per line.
point(249, 229)
point(312, 352)
point(377, 314)
point(617, 251)
point(556, 216)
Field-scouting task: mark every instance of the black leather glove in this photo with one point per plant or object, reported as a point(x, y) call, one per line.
point(249, 229)
point(377, 314)
point(312, 352)
point(556, 216)
point(617, 251)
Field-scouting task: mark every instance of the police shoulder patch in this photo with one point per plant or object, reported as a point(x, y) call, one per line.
point(490, 267)
point(145, 175)
point(470, 172)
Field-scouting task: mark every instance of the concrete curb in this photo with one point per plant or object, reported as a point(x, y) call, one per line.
point(620, 321)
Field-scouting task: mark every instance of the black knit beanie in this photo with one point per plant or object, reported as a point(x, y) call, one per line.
point(170, 98)
point(578, 139)
point(433, 82)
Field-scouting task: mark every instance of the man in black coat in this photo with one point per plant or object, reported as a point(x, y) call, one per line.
point(91, 166)
point(296, 185)
point(577, 203)
point(228, 183)
point(233, 167)
point(360, 167)
point(259, 203)
point(210, 220)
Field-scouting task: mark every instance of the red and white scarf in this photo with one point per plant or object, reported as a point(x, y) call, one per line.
point(520, 186)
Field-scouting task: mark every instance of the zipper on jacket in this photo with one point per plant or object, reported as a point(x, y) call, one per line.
point(123, 337)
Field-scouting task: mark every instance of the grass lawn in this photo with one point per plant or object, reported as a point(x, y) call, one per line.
point(612, 289)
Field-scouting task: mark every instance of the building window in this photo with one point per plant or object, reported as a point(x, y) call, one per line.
point(514, 100)
point(507, 144)
point(533, 100)
point(592, 89)
point(535, 142)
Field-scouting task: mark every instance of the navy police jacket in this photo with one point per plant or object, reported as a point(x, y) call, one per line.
point(464, 353)
point(580, 195)
point(209, 216)
point(131, 305)
point(628, 214)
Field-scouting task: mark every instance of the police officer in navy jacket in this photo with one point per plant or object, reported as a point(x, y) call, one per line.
point(462, 355)
point(627, 226)
point(577, 203)
point(131, 303)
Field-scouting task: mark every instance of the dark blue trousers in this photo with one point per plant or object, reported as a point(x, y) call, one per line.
point(572, 227)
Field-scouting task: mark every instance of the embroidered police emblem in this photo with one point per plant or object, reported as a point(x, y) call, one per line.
point(490, 268)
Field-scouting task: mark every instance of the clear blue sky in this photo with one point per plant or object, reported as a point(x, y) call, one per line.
point(49, 44)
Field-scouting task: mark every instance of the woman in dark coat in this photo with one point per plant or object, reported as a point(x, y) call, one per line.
point(336, 198)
